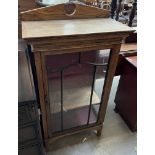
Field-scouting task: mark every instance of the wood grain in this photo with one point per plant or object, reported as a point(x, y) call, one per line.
point(73, 131)
point(66, 11)
point(71, 47)
point(39, 29)
point(26, 5)
point(108, 81)
point(41, 92)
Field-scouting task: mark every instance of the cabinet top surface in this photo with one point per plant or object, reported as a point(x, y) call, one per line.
point(53, 28)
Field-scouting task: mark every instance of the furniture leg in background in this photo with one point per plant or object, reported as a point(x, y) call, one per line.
point(132, 14)
point(113, 8)
point(118, 9)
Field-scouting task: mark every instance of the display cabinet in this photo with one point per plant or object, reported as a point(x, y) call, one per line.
point(68, 43)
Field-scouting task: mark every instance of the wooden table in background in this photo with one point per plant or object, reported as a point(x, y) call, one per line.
point(126, 95)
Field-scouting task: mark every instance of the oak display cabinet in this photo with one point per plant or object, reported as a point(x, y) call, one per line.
point(68, 43)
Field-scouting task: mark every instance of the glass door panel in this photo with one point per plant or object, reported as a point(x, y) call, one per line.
point(75, 85)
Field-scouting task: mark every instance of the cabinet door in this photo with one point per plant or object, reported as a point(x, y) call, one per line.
point(75, 83)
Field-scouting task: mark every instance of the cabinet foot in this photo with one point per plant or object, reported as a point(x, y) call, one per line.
point(99, 132)
point(47, 146)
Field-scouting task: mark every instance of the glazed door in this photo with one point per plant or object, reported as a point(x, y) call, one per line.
point(75, 82)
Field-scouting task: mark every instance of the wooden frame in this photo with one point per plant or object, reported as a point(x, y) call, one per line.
point(64, 11)
point(71, 42)
point(45, 105)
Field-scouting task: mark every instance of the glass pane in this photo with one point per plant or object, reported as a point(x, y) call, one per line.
point(102, 58)
point(75, 84)
point(77, 90)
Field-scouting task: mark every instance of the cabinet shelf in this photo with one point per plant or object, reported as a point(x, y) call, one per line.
point(74, 118)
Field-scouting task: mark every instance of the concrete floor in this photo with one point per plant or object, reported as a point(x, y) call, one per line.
point(116, 138)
